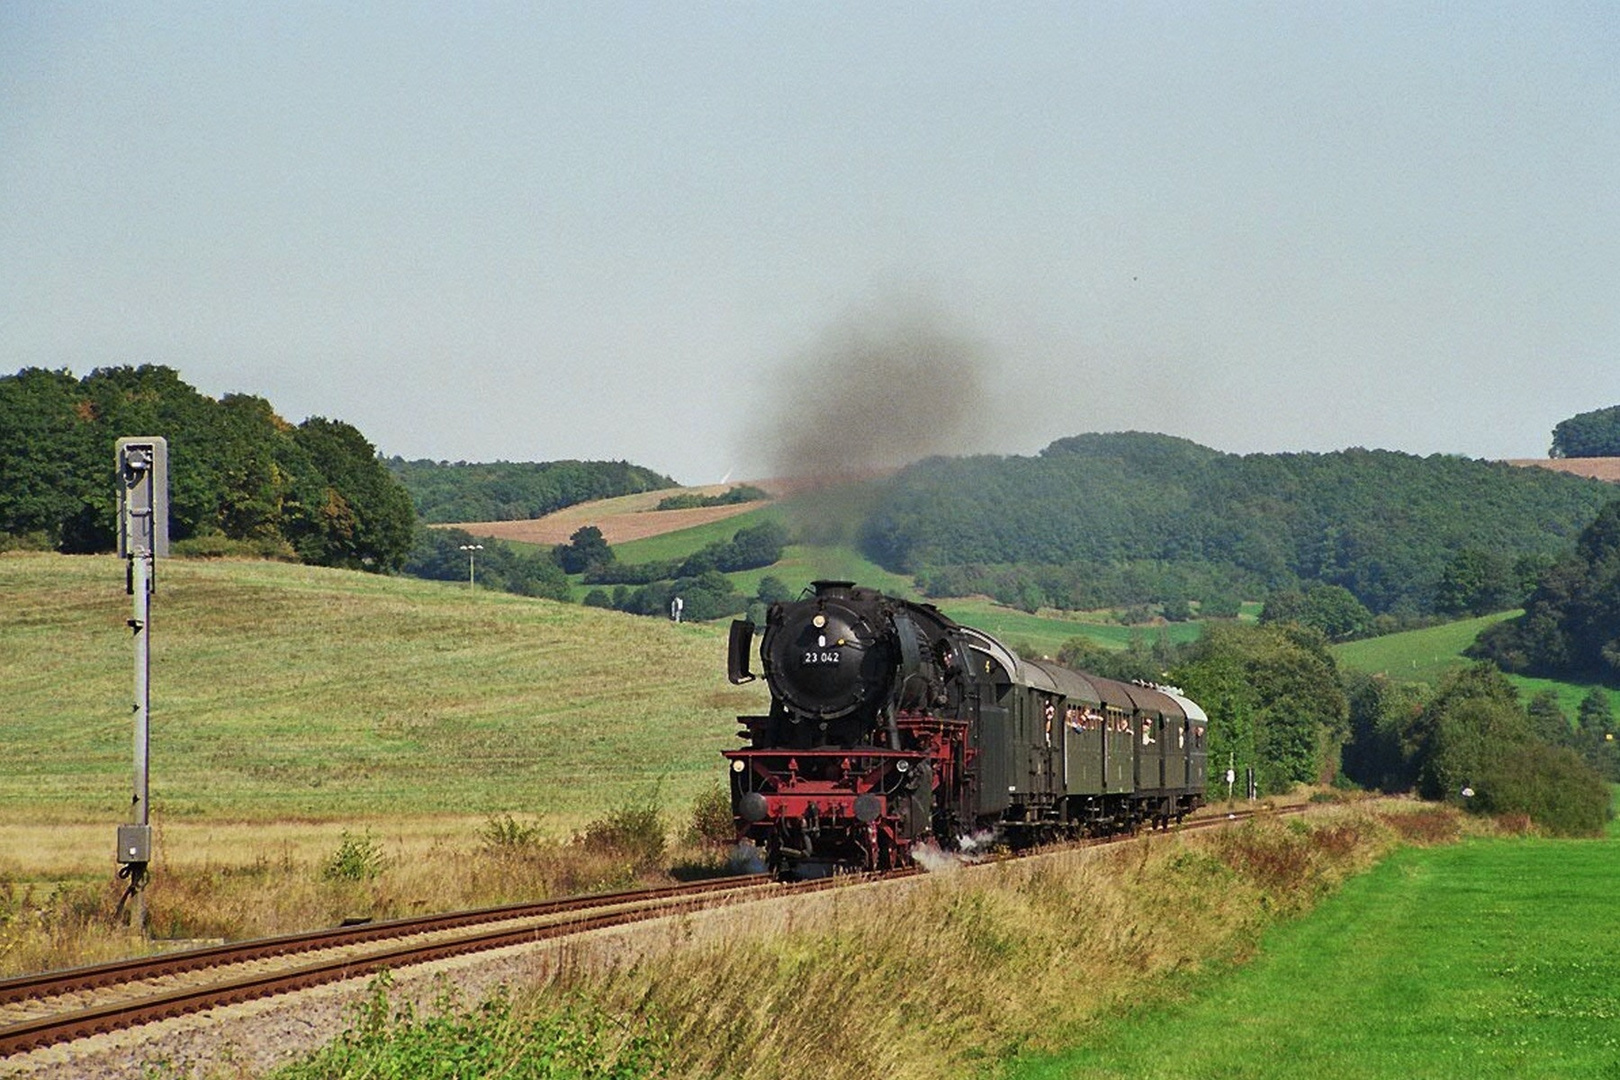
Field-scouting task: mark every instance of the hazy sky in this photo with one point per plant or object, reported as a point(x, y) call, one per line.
point(641, 231)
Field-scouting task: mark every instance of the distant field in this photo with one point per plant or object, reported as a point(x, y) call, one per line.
point(622, 519)
point(1047, 633)
point(1426, 656)
point(1491, 958)
point(1416, 655)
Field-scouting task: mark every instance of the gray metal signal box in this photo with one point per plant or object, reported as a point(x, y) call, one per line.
point(143, 497)
point(134, 844)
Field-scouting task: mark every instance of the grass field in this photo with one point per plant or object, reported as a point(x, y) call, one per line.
point(283, 692)
point(1047, 633)
point(1493, 958)
point(1427, 655)
point(1416, 655)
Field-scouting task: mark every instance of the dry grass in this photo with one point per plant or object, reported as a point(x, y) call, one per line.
point(943, 975)
point(260, 881)
point(621, 519)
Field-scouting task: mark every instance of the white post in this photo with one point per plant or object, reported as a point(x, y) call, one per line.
point(471, 549)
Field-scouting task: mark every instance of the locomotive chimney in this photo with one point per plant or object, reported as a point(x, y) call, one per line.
point(842, 589)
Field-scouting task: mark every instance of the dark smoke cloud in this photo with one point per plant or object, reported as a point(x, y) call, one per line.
point(882, 390)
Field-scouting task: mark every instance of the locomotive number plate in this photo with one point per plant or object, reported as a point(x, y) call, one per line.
point(821, 657)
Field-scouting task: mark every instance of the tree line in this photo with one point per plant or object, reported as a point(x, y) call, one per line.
point(699, 580)
point(1571, 622)
point(240, 477)
point(1588, 434)
point(449, 492)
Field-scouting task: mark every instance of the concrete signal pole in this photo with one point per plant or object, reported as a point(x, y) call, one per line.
point(143, 536)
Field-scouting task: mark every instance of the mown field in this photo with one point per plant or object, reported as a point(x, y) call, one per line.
point(284, 691)
point(1490, 958)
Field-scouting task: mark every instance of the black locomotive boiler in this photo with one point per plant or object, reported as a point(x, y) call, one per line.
point(891, 725)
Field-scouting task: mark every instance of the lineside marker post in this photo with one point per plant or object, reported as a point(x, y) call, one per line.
point(143, 536)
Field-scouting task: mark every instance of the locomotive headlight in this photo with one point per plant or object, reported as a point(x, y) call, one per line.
point(902, 766)
point(819, 621)
point(738, 765)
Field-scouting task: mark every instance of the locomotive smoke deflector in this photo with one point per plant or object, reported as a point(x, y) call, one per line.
point(742, 643)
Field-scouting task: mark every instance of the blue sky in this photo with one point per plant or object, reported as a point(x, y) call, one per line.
point(688, 234)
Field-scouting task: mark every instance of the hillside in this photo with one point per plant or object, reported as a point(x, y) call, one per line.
point(1099, 520)
point(445, 492)
point(288, 691)
point(1429, 655)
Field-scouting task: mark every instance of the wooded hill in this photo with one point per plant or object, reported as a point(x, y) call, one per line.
point(1133, 518)
point(449, 492)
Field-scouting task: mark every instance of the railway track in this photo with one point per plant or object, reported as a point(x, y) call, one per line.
point(43, 1010)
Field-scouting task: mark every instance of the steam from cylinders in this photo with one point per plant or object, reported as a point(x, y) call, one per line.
point(972, 849)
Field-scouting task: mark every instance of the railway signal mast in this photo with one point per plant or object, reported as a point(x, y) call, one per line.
point(143, 536)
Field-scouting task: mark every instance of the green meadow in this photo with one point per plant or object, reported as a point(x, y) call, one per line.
point(1489, 958)
point(1427, 655)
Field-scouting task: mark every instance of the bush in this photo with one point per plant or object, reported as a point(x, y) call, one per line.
point(506, 834)
point(1550, 785)
point(357, 858)
point(216, 546)
point(633, 831)
point(712, 823)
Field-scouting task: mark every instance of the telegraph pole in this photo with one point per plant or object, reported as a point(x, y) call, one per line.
point(143, 536)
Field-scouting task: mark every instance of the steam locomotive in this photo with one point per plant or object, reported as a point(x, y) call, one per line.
point(892, 726)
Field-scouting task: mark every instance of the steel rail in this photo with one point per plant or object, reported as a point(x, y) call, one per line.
point(99, 976)
point(46, 1030)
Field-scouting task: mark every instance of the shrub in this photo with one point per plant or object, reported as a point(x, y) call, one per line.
point(712, 823)
point(357, 858)
point(216, 546)
point(504, 834)
point(633, 831)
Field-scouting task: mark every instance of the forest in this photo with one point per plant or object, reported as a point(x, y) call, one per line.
point(245, 481)
point(450, 492)
point(1120, 519)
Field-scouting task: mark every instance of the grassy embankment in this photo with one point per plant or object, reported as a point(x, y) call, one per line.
point(947, 975)
point(1493, 958)
point(301, 713)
